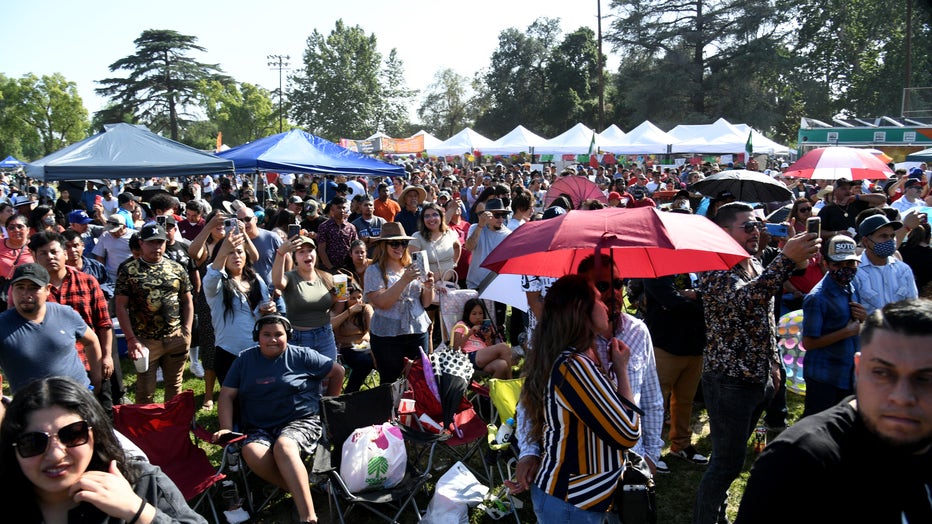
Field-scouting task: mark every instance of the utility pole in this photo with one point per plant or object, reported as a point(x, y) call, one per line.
point(281, 63)
point(599, 62)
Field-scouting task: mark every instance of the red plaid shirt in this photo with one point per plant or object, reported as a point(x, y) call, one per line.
point(82, 292)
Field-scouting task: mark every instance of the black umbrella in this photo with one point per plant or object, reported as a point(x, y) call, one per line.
point(454, 371)
point(748, 186)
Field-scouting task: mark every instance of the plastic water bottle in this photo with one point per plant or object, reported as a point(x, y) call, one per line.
point(505, 431)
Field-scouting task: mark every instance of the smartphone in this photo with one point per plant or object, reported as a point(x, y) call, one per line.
point(777, 230)
point(418, 259)
point(228, 225)
point(486, 325)
point(814, 225)
point(160, 220)
point(293, 230)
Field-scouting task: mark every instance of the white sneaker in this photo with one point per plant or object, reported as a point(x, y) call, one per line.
point(662, 467)
point(158, 375)
point(197, 369)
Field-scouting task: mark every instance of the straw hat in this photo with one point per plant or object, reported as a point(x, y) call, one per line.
point(421, 194)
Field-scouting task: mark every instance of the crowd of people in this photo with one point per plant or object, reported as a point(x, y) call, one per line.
point(223, 275)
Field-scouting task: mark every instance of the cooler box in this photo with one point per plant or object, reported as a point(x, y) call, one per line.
point(119, 339)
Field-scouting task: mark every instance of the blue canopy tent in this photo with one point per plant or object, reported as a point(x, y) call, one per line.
point(301, 152)
point(11, 163)
point(920, 156)
point(125, 151)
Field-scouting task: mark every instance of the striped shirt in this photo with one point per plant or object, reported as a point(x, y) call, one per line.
point(587, 429)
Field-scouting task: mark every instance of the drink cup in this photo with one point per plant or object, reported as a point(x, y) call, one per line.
point(142, 363)
point(339, 284)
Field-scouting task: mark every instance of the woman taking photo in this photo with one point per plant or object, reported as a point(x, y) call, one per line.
point(571, 404)
point(237, 298)
point(441, 246)
point(60, 461)
point(394, 288)
point(351, 330)
point(308, 295)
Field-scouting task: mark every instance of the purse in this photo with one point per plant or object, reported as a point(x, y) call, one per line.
point(636, 494)
point(444, 284)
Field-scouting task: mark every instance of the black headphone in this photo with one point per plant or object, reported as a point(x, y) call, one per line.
point(272, 319)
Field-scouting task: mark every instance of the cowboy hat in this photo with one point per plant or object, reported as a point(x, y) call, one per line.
point(393, 231)
point(421, 193)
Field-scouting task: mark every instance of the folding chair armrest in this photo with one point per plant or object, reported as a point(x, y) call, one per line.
point(422, 437)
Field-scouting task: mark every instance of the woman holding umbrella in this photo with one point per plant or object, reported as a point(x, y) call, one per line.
point(399, 294)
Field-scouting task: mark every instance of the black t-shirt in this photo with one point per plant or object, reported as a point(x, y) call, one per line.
point(828, 468)
point(840, 218)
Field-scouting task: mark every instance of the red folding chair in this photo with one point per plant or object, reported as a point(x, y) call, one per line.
point(163, 432)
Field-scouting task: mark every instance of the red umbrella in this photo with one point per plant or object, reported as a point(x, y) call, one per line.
point(644, 243)
point(832, 163)
point(578, 188)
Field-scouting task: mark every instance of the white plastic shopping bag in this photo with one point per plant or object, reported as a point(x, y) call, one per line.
point(373, 457)
point(456, 491)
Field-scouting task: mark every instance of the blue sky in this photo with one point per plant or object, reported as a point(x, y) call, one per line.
point(79, 39)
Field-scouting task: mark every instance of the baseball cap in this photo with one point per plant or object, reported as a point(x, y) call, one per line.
point(79, 216)
point(31, 271)
point(614, 195)
point(841, 248)
point(115, 222)
point(126, 197)
point(152, 232)
point(553, 211)
point(295, 199)
point(872, 223)
point(915, 173)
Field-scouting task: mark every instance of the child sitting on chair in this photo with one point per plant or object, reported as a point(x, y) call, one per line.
point(473, 336)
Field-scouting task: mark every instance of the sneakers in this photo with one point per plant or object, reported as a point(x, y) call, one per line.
point(662, 467)
point(690, 454)
point(197, 369)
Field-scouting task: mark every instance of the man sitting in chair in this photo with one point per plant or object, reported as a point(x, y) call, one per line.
point(278, 389)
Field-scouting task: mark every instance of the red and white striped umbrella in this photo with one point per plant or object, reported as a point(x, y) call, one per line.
point(832, 163)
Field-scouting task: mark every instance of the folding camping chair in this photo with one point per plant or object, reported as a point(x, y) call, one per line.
point(340, 417)
point(163, 432)
point(462, 429)
point(502, 458)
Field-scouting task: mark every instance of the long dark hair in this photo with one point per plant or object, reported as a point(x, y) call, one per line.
point(422, 226)
point(468, 307)
point(230, 291)
point(15, 489)
point(565, 323)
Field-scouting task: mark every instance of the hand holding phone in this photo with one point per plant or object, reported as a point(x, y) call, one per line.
point(814, 225)
point(229, 224)
point(293, 230)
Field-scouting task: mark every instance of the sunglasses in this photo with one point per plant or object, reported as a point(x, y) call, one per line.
point(37, 442)
point(616, 283)
point(247, 220)
point(500, 215)
point(397, 243)
point(751, 225)
point(804, 209)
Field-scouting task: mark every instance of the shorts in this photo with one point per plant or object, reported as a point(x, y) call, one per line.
point(304, 431)
point(472, 358)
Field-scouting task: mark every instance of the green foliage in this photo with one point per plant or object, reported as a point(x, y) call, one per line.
point(344, 89)
point(162, 83)
point(445, 107)
point(242, 112)
point(40, 115)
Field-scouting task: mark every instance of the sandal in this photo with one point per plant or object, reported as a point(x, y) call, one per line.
point(208, 405)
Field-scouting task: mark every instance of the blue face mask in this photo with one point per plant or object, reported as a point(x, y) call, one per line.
point(885, 249)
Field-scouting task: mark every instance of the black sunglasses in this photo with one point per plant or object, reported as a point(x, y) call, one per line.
point(751, 225)
point(603, 286)
point(35, 443)
point(397, 243)
point(248, 219)
point(500, 215)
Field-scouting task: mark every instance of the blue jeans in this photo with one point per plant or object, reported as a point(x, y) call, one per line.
point(319, 339)
point(548, 508)
point(734, 407)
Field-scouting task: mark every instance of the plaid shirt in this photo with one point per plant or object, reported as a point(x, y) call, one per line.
point(82, 292)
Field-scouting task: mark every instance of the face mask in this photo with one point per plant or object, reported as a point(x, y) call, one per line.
point(885, 249)
point(843, 276)
point(48, 221)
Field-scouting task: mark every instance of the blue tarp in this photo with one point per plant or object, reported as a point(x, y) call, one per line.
point(11, 163)
point(301, 152)
point(125, 151)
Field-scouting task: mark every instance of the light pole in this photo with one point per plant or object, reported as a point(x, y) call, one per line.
point(599, 62)
point(281, 63)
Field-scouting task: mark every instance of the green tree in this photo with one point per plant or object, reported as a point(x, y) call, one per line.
point(338, 92)
point(162, 83)
point(445, 107)
point(574, 82)
point(705, 51)
point(392, 114)
point(242, 112)
point(44, 111)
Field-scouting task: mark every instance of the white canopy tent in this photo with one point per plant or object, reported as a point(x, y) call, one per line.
point(574, 141)
point(518, 140)
point(429, 139)
point(645, 139)
point(612, 137)
point(722, 136)
point(760, 143)
point(462, 143)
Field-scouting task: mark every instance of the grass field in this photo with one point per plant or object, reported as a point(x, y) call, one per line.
point(676, 490)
